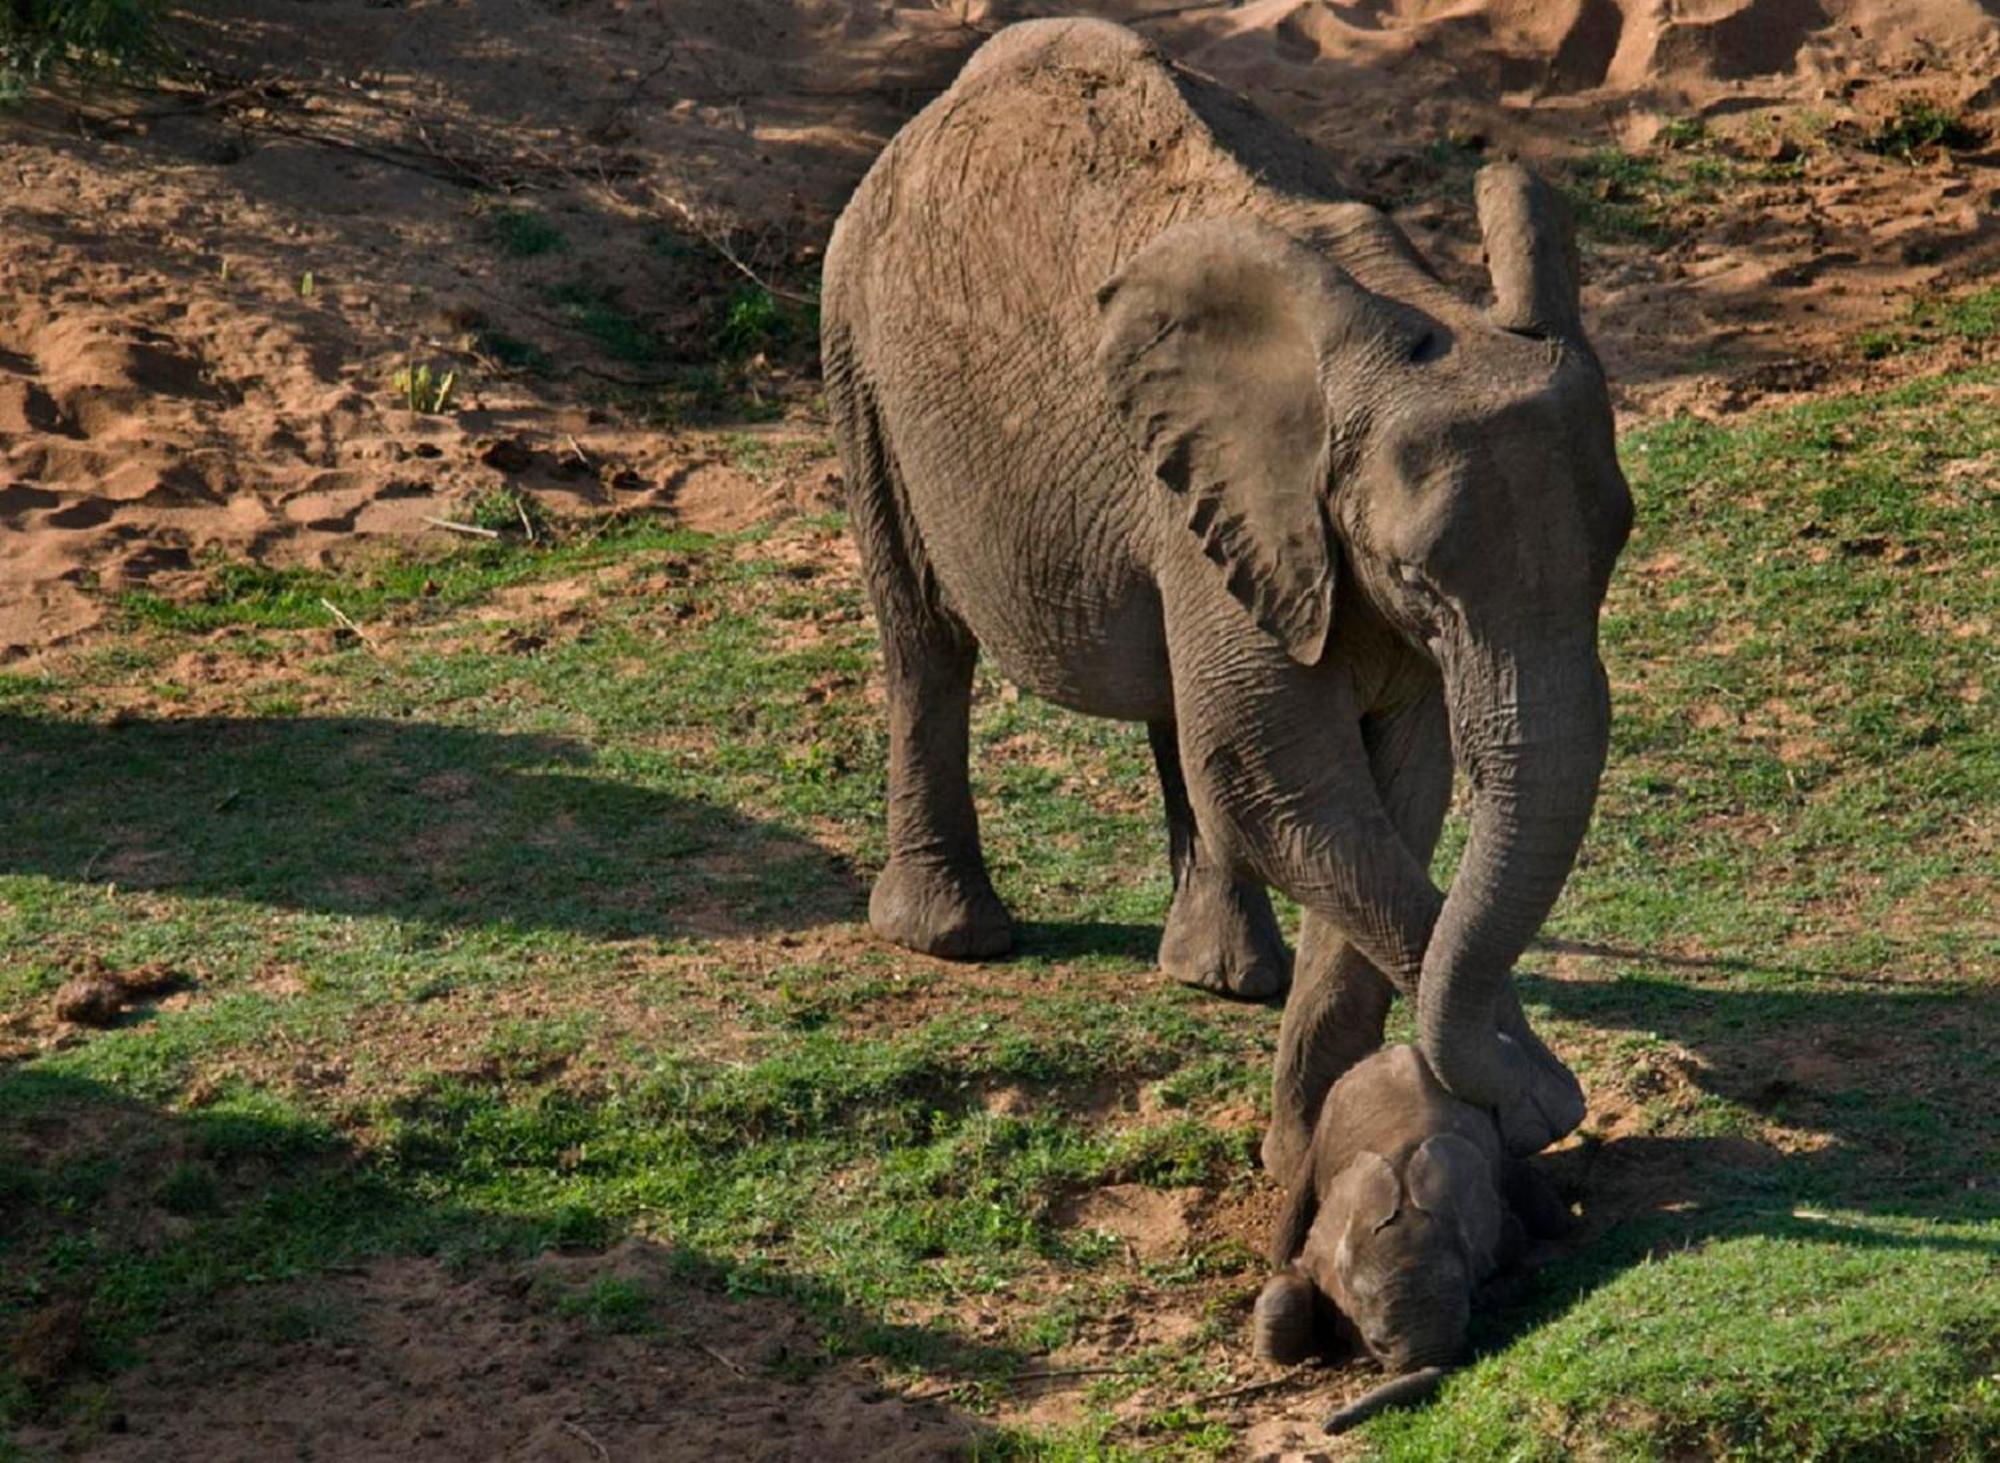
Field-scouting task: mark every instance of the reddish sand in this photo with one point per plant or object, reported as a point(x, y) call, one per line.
point(172, 390)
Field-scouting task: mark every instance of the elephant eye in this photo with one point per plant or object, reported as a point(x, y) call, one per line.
point(1427, 347)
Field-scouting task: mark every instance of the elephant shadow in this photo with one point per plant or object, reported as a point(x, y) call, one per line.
point(410, 819)
point(311, 1271)
point(1834, 1099)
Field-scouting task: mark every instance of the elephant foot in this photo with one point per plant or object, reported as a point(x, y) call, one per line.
point(940, 910)
point(1223, 937)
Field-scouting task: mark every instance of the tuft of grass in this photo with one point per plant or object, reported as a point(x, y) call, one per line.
point(595, 311)
point(1919, 126)
point(1972, 316)
point(1683, 132)
point(90, 37)
point(755, 322)
point(1617, 195)
point(509, 510)
point(522, 233)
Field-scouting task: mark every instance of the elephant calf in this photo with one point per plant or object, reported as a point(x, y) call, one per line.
point(1133, 396)
point(1406, 1202)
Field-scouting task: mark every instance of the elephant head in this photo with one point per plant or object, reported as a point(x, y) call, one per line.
point(1391, 1259)
point(1348, 437)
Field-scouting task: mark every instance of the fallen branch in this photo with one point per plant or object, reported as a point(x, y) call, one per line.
point(1250, 1389)
point(723, 1359)
point(931, 1394)
point(718, 241)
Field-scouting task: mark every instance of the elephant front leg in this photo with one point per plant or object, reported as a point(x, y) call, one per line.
point(1221, 934)
point(1340, 1000)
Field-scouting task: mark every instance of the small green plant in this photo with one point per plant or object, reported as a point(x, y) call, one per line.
point(507, 510)
point(1973, 316)
point(522, 233)
point(595, 311)
point(609, 1303)
point(1616, 195)
point(1875, 345)
point(758, 321)
point(39, 37)
point(1681, 132)
point(1918, 126)
point(423, 390)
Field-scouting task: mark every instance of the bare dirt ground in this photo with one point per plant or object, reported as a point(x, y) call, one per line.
point(206, 291)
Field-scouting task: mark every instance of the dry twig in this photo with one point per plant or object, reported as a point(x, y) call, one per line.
point(1251, 1389)
point(723, 1359)
point(348, 624)
point(714, 237)
point(577, 1430)
point(457, 527)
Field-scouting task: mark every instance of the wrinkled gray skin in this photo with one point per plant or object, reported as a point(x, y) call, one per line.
point(1129, 394)
point(1406, 1202)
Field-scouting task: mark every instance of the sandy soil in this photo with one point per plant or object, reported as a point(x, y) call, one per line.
point(205, 293)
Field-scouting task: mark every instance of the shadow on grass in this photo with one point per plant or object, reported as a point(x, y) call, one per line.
point(1073, 940)
point(365, 816)
point(212, 1277)
point(1890, 1092)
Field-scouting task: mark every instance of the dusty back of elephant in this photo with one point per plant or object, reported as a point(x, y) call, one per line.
point(962, 283)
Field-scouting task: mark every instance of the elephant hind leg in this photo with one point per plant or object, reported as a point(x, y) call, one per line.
point(1221, 934)
point(933, 895)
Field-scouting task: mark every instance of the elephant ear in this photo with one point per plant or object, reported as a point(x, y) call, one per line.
point(1450, 1179)
point(1214, 337)
point(1366, 1193)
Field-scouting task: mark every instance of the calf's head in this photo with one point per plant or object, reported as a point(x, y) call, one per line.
point(1390, 1259)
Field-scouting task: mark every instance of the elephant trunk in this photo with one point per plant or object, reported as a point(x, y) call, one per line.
point(1530, 732)
point(1404, 1391)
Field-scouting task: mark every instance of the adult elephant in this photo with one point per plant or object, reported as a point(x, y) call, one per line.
point(1129, 392)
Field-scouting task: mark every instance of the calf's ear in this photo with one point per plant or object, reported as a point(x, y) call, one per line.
point(1450, 1179)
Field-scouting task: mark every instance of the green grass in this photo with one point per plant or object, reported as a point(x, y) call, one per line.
point(1972, 316)
point(529, 925)
point(595, 311)
point(40, 37)
point(522, 232)
point(1919, 126)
